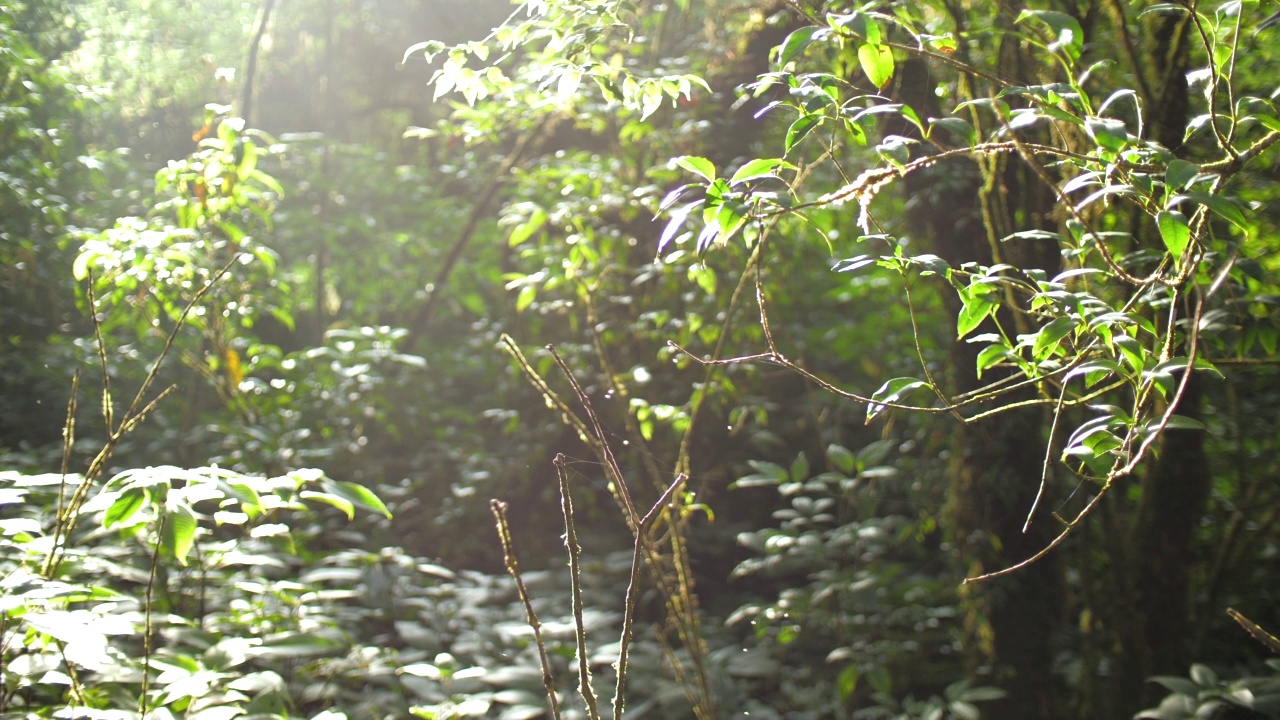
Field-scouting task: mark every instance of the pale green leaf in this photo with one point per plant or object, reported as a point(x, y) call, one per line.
point(877, 63)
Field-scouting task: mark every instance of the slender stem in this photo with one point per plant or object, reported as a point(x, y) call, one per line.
point(575, 580)
point(628, 616)
point(148, 599)
point(499, 510)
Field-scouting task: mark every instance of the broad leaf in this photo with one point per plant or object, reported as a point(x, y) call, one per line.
point(179, 532)
point(697, 165)
point(1175, 232)
point(877, 63)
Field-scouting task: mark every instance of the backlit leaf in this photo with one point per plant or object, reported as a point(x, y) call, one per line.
point(877, 63)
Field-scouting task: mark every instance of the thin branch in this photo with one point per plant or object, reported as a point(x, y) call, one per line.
point(66, 522)
point(575, 580)
point(499, 510)
point(602, 445)
point(148, 599)
point(108, 408)
point(479, 211)
point(68, 440)
point(1048, 460)
point(1118, 470)
point(1255, 631)
point(628, 615)
point(550, 396)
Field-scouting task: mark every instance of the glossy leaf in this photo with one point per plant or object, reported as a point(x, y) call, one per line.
point(1174, 231)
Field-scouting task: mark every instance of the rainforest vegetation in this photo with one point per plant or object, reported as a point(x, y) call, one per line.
point(645, 358)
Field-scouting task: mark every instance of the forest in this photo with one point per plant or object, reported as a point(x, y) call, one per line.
point(590, 359)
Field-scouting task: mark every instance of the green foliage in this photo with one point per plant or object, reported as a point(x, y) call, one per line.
point(1049, 257)
point(853, 613)
point(173, 602)
point(1205, 694)
point(1115, 225)
point(48, 169)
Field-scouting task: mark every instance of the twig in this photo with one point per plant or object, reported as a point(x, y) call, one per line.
point(601, 444)
point(68, 440)
point(575, 580)
point(499, 510)
point(1117, 470)
point(628, 616)
point(108, 408)
point(66, 521)
point(146, 625)
point(1255, 631)
point(567, 414)
point(1048, 460)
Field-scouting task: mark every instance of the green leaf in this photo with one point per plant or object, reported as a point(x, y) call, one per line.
point(292, 645)
point(1051, 334)
point(1220, 205)
point(759, 168)
point(129, 502)
point(1203, 675)
point(991, 355)
point(525, 298)
point(1179, 173)
point(848, 681)
point(650, 99)
point(797, 41)
point(1182, 422)
point(730, 218)
point(429, 48)
point(567, 85)
point(675, 223)
point(1096, 370)
point(956, 126)
point(360, 495)
point(877, 63)
point(697, 165)
point(1069, 37)
point(799, 129)
point(976, 309)
point(1107, 133)
point(525, 230)
point(1175, 684)
point(1174, 231)
point(179, 532)
point(892, 392)
point(766, 473)
point(347, 507)
point(842, 458)
point(1132, 351)
point(871, 31)
point(799, 471)
point(982, 694)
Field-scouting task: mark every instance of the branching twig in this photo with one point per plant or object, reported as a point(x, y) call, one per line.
point(1118, 470)
point(69, 515)
point(628, 616)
